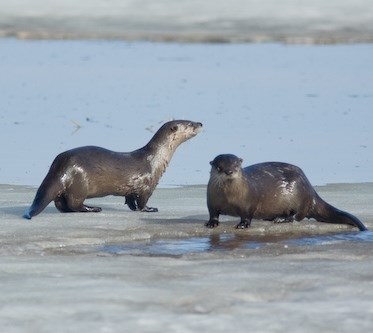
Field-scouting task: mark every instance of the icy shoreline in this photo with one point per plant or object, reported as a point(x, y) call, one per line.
point(57, 275)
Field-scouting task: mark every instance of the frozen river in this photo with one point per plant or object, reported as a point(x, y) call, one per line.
point(306, 105)
point(113, 86)
point(165, 272)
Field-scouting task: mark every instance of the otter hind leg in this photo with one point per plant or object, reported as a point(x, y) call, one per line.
point(75, 196)
point(71, 204)
point(61, 205)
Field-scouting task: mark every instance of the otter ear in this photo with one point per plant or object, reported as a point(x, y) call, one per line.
point(174, 128)
point(241, 160)
point(211, 163)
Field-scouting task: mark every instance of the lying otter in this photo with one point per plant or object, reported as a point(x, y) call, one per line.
point(89, 172)
point(272, 191)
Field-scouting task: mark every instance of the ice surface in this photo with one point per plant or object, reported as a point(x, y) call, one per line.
point(122, 270)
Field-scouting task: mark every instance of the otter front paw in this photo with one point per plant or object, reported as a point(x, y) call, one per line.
point(212, 224)
point(243, 225)
point(131, 202)
point(149, 209)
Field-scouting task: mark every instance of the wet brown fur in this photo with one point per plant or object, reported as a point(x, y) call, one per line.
point(89, 172)
point(272, 191)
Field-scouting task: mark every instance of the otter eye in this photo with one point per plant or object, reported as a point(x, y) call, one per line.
point(174, 128)
point(218, 168)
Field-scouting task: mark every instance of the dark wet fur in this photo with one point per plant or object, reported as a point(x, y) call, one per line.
point(274, 191)
point(89, 172)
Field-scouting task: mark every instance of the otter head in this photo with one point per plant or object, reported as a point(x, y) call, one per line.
point(164, 143)
point(174, 133)
point(226, 166)
point(181, 130)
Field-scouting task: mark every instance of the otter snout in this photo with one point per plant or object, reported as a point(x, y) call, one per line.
point(227, 164)
point(197, 126)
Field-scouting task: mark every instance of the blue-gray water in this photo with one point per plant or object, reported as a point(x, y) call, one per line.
point(230, 242)
point(306, 105)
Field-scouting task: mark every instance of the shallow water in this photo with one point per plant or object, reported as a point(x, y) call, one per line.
point(229, 242)
point(362, 237)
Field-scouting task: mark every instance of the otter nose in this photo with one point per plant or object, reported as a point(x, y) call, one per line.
point(228, 172)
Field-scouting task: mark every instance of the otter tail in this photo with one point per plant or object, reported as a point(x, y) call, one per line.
point(324, 212)
point(46, 193)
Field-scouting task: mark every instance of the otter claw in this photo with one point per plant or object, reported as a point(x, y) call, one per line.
point(283, 219)
point(211, 224)
point(149, 209)
point(242, 225)
point(94, 209)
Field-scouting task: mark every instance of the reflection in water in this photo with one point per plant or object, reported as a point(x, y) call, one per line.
point(228, 242)
point(366, 236)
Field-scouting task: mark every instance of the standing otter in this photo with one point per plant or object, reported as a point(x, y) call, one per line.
point(274, 191)
point(89, 172)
